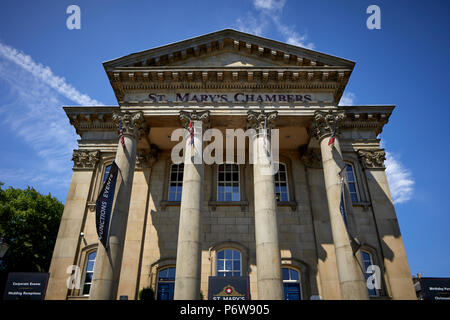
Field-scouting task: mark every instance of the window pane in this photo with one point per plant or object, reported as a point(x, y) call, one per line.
point(285, 273)
point(172, 273)
point(89, 276)
point(105, 176)
point(228, 265)
point(228, 274)
point(235, 176)
point(220, 265)
point(228, 197)
point(354, 197)
point(235, 197)
point(350, 175)
point(92, 255)
point(236, 274)
point(236, 255)
point(163, 273)
point(352, 187)
point(228, 254)
point(221, 176)
point(236, 265)
point(294, 274)
point(90, 266)
point(86, 288)
point(221, 254)
point(228, 176)
point(221, 274)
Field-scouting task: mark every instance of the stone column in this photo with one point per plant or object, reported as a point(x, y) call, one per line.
point(188, 265)
point(130, 272)
point(268, 259)
point(108, 262)
point(351, 279)
point(395, 266)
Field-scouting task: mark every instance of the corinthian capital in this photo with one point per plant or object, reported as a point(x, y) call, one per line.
point(83, 159)
point(372, 158)
point(132, 123)
point(186, 117)
point(326, 122)
point(261, 120)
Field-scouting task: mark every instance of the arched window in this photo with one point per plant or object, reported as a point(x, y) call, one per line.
point(351, 178)
point(176, 181)
point(281, 183)
point(228, 187)
point(89, 272)
point(229, 263)
point(291, 284)
point(166, 284)
point(368, 261)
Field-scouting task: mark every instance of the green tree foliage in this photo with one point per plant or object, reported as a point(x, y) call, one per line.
point(29, 223)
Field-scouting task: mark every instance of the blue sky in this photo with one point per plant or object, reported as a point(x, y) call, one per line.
point(43, 66)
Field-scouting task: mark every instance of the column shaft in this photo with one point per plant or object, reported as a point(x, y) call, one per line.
point(188, 270)
point(268, 258)
point(108, 262)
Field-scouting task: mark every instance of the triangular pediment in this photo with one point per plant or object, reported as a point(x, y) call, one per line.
point(228, 48)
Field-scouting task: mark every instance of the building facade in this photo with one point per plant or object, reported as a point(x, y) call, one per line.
point(309, 231)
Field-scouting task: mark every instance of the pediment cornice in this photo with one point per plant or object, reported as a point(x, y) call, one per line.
point(228, 40)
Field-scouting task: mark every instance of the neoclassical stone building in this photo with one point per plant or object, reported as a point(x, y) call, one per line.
point(176, 224)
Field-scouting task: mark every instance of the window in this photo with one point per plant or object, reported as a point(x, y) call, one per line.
point(89, 272)
point(281, 183)
point(229, 263)
point(368, 261)
point(291, 284)
point(166, 284)
point(176, 182)
point(352, 183)
point(228, 188)
point(107, 170)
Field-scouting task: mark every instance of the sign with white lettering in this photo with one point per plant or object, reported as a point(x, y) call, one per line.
point(104, 203)
point(26, 286)
point(226, 98)
point(435, 288)
point(229, 288)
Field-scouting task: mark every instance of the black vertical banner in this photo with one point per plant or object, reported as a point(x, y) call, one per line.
point(104, 203)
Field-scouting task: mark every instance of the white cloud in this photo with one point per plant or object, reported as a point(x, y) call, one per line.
point(271, 11)
point(401, 182)
point(251, 25)
point(269, 4)
point(291, 36)
point(348, 99)
point(45, 74)
point(31, 109)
